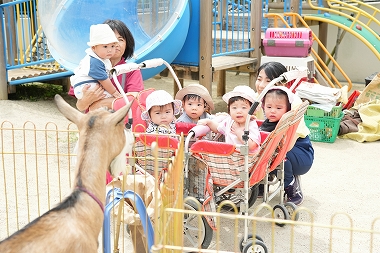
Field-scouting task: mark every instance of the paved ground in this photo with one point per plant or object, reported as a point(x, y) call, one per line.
point(344, 179)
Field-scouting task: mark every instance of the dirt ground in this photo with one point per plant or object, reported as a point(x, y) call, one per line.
point(343, 180)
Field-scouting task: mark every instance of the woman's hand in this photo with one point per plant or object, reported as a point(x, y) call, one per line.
point(90, 96)
point(94, 94)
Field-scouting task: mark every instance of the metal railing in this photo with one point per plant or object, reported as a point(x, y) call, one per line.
point(231, 27)
point(25, 45)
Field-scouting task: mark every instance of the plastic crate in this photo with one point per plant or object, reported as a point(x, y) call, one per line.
point(323, 129)
point(316, 112)
point(295, 42)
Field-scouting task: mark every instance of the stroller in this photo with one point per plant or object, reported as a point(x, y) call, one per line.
point(158, 162)
point(217, 171)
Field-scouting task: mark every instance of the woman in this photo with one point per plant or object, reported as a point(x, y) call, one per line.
point(132, 82)
point(300, 158)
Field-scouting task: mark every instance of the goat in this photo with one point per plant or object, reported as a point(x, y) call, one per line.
point(74, 225)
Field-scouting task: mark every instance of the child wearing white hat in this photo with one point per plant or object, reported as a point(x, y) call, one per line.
point(160, 111)
point(239, 102)
point(276, 102)
point(196, 103)
point(95, 66)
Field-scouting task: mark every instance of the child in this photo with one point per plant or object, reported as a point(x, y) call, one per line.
point(276, 102)
point(300, 158)
point(196, 103)
point(95, 66)
point(239, 102)
point(160, 111)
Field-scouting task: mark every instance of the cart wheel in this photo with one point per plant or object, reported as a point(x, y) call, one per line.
point(192, 226)
point(259, 247)
point(291, 207)
point(249, 239)
point(280, 212)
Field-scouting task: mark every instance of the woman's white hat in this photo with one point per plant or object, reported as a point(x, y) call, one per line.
point(160, 97)
point(196, 89)
point(243, 91)
point(286, 90)
point(101, 34)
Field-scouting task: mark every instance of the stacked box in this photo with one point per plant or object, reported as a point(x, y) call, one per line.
point(323, 126)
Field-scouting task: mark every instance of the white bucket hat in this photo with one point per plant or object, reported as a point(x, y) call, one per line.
point(101, 34)
point(160, 97)
point(243, 91)
point(196, 89)
point(286, 90)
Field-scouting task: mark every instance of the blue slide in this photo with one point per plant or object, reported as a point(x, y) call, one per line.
point(159, 27)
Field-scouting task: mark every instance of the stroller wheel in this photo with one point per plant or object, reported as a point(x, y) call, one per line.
point(291, 207)
point(193, 227)
point(256, 246)
point(249, 239)
point(281, 213)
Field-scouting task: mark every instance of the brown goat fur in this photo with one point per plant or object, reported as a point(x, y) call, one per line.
point(74, 225)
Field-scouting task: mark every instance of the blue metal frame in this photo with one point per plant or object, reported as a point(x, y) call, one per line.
point(16, 44)
point(141, 209)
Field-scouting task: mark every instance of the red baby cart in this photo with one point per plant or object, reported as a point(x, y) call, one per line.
point(231, 172)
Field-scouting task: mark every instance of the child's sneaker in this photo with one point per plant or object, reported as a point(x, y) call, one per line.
point(293, 192)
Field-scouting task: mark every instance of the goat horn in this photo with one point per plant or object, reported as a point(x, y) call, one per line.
point(67, 110)
point(120, 114)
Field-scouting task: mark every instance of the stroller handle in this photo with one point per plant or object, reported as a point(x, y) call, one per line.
point(199, 130)
point(131, 66)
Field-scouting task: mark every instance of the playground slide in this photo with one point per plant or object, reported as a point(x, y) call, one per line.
point(365, 35)
point(159, 28)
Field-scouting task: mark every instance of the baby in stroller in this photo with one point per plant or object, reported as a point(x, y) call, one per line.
point(196, 103)
point(239, 101)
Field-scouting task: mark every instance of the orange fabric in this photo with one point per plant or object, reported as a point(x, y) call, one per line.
point(163, 141)
point(183, 127)
point(212, 147)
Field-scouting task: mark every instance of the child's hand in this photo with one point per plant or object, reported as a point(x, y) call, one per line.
point(253, 117)
point(116, 94)
point(238, 131)
point(221, 114)
point(202, 122)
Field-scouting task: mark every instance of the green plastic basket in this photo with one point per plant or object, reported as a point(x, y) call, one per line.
point(316, 112)
point(323, 129)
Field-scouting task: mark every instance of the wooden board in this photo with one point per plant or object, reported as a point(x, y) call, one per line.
point(22, 73)
point(229, 62)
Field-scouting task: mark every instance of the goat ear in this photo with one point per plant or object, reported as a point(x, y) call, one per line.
point(120, 114)
point(67, 110)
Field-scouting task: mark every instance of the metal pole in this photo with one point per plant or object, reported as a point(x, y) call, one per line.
point(3, 76)
point(205, 40)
